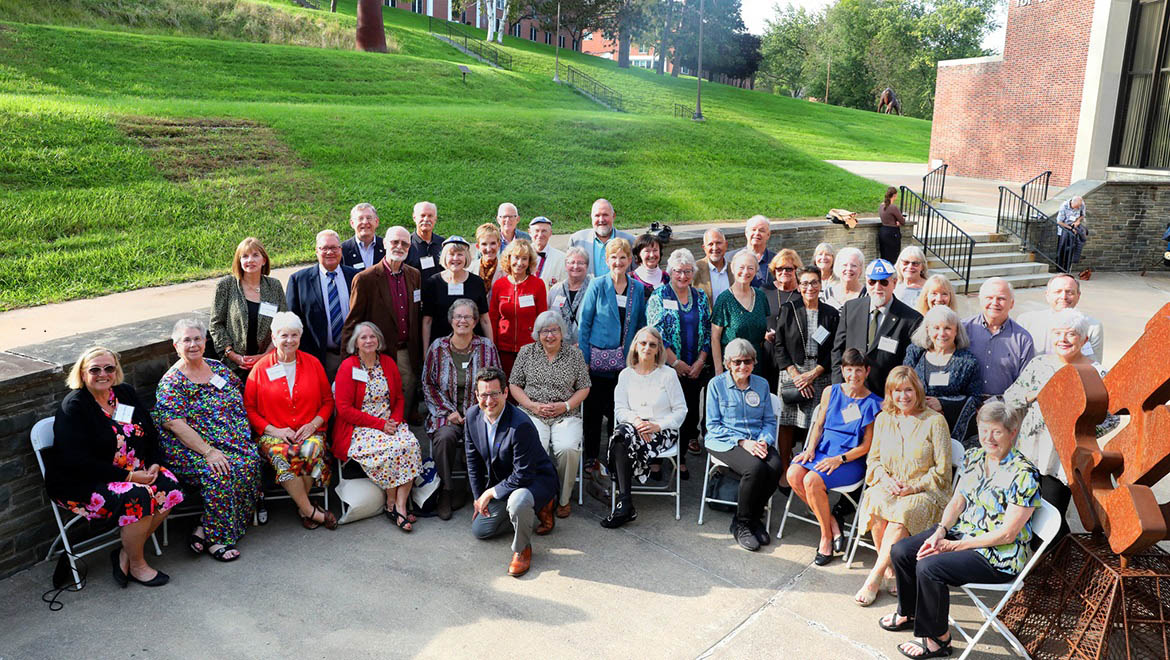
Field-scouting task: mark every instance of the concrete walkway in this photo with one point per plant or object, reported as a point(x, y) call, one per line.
point(967, 190)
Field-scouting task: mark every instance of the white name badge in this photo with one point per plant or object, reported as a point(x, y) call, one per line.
point(275, 372)
point(888, 344)
point(670, 304)
point(360, 375)
point(123, 413)
point(621, 301)
point(217, 381)
point(752, 398)
point(821, 334)
point(940, 379)
point(851, 413)
point(455, 289)
point(268, 309)
point(418, 295)
point(427, 262)
point(527, 301)
point(359, 266)
point(559, 302)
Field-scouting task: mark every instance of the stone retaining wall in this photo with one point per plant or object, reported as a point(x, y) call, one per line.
point(1126, 221)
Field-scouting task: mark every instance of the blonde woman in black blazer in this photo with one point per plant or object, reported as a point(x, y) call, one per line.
point(245, 303)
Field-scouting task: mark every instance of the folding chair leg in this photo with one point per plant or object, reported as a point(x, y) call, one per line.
point(678, 485)
point(784, 518)
point(768, 515)
point(855, 532)
point(63, 536)
point(157, 549)
point(580, 481)
point(703, 498)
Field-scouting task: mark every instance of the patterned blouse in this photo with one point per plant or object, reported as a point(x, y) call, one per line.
point(440, 382)
point(548, 382)
point(987, 499)
point(738, 322)
point(957, 385)
point(216, 413)
point(665, 313)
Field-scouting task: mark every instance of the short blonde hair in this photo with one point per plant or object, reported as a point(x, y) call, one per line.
point(616, 244)
point(74, 378)
point(900, 376)
point(514, 248)
point(453, 247)
point(659, 359)
point(485, 230)
point(935, 283)
point(785, 257)
point(247, 245)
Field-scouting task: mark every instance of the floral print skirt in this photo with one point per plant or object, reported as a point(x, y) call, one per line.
point(305, 459)
point(388, 459)
point(128, 502)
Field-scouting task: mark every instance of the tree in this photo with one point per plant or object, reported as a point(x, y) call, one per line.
point(578, 17)
point(789, 40)
point(371, 32)
point(621, 21)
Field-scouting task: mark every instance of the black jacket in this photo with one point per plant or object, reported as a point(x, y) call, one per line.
point(84, 443)
point(351, 256)
point(852, 332)
point(305, 300)
point(791, 326)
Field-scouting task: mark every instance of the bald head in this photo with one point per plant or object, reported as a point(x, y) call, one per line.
point(715, 247)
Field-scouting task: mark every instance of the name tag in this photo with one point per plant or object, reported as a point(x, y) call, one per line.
point(888, 344)
point(217, 381)
point(527, 301)
point(275, 372)
point(851, 413)
point(940, 379)
point(455, 289)
point(427, 262)
point(359, 265)
point(820, 335)
point(463, 365)
point(268, 309)
point(621, 300)
point(670, 304)
point(418, 295)
point(360, 375)
point(123, 413)
point(559, 302)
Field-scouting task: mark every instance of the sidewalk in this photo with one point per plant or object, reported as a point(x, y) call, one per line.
point(976, 192)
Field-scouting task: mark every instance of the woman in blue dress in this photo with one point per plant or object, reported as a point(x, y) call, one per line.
point(835, 454)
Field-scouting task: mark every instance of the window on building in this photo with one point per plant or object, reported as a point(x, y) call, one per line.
point(561, 41)
point(548, 38)
point(418, 6)
point(516, 30)
point(1143, 115)
point(532, 33)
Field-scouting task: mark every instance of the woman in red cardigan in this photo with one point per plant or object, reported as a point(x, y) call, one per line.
point(370, 427)
point(516, 301)
point(288, 400)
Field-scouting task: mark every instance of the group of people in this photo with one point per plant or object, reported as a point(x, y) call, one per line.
point(529, 360)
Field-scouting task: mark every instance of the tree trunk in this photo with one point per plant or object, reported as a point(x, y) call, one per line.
point(661, 63)
point(623, 48)
point(674, 64)
point(371, 32)
point(490, 15)
point(332, 6)
point(504, 10)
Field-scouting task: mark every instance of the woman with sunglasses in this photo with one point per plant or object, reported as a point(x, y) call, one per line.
point(912, 274)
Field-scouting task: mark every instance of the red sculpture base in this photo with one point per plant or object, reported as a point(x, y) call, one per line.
point(1080, 602)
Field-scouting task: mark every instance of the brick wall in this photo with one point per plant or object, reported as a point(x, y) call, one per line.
point(1126, 222)
point(1014, 118)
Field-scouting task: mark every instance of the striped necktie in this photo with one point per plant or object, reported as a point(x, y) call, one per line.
point(336, 320)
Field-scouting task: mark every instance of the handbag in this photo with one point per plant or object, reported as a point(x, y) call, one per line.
point(606, 360)
point(791, 395)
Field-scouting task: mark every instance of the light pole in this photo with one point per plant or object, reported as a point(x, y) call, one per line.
point(557, 70)
point(698, 116)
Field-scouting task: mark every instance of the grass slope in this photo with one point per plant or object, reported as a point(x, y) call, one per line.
point(85, 209)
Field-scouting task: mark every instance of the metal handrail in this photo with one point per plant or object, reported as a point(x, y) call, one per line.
point(590, 86)
point(480, 48)
point(1035, 190)
point(684, 111)
point(938, 235)
point(1035, 229)
point(934, 182)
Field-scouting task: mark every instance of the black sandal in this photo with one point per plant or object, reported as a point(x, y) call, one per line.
point(944, 648)
point(196, 544)
point(398, 519)
point(218, 555)
point(896, 627)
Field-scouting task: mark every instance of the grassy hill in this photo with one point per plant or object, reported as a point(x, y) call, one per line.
point(136, 152)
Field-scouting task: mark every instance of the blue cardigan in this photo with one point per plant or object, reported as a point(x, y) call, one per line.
point(597, 320)
point(730, 416)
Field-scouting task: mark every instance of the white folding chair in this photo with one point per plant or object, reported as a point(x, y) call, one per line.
point(669, 455)
point(714, 463)
point(42, 439)
point(1045, 524)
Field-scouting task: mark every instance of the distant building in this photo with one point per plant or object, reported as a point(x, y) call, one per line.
point(641, 55)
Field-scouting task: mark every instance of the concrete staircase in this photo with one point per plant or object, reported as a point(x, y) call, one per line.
point(996, 255)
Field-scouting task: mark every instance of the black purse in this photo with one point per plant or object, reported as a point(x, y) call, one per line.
point(788, 393)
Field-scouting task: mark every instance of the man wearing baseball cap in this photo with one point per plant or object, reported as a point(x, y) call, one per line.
point(551, 265)
point(879, 325)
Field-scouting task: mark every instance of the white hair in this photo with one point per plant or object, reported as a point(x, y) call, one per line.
point(756, 219)
point(328, 232)
point(680, 257)
point(422, 204)
point(845, 254)
point(993, 281)
point(1071, 319)
point(286, 321)
point(549, 318)
point(364, 206)
point(182, 325)
point(737, 348)
point(934, 316)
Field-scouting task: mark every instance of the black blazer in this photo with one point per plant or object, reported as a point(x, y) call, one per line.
point(791, 326)
point(84, 443)
point(305, 300)
point(853, 331)
point(520, 461)
point(351, 256)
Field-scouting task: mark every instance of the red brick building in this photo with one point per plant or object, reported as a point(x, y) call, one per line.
point(641, 55)
point(525, 29)
point(1082, 88)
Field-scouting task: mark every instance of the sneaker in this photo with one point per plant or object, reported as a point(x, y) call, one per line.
point(744, 536)
point(760, 533)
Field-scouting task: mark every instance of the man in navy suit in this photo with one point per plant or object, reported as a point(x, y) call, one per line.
point(365, 248)
point(508, 468)
point(320, 296)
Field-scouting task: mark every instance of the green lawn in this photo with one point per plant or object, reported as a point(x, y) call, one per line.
point(87, 206)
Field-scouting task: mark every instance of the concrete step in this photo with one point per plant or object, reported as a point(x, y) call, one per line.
point(1021, 275)
point(987, 259)
point(967, 209)
point(979, 236)
point(981, 248)
point(1027, 281)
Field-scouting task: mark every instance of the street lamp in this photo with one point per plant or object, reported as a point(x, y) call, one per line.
point(557, 70)
point(698, 116)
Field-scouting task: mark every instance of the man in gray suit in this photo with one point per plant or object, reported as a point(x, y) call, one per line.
point(594, 240)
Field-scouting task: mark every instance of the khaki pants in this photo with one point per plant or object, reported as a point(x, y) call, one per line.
point(562, 441)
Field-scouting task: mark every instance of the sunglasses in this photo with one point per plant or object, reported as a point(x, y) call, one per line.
point(108, 369)
point(786, 269)
point(742, 361)
point(885, 282)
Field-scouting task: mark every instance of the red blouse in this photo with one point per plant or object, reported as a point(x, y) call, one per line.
point(513, 310)
point(268, 402)
point(351, 394)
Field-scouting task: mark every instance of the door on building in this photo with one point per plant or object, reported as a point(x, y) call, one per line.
point(1143, 118)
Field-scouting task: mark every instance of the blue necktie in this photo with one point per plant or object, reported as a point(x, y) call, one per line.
point(335, 319)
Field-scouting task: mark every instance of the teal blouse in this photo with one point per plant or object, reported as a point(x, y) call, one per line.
point(1017, 482)
point(738, 322)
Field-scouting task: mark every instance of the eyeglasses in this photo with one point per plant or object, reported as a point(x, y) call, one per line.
point(329, 248)
point(739, 362)
point(462, 317)
point(549, 332)
point(911, 263)
point(192, 340)
point(509, 216)
point(488, 395)
point(684, 271)
point(811, 284)
point(108, 369)
point(786, 269)
point(885, 282)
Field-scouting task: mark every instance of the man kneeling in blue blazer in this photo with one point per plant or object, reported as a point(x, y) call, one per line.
point(509, 470)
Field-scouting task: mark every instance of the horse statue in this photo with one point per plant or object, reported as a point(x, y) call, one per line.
point(888, 102)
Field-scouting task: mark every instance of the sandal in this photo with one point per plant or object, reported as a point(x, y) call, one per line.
point(865, 598)
point(195, 543)
point(398, 519)
point(895, 627)
point(218, 555)
point(944, 648)
point(328, 519)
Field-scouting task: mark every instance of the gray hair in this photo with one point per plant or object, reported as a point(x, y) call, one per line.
point(756, 219)
point(577, 250)
point(364, 206)
point(424, 204)
point(549, 318)
point(992, 281)
point(351, 345)
point(680, 257)
point(825, 247)
point(1071, 319)
point(328, 232)
point(462, 302)
point(916, 253)
point(286, 321)
point(845, 254)
point(738, 348)
point(940, 314)
point(997, 412)
point(632, 358)
point(745, 254)
point(182, 325)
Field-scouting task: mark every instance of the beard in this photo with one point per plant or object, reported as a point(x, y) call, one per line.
point(603, 231)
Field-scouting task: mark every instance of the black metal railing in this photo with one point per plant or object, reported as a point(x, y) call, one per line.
point(938, 235)
point(593, 88)
point(684, 111)
point(1035, 230)
point(455, 34)
point(933, 184)
point(1035, 190)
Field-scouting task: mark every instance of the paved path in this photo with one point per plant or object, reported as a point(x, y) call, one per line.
point(977, 192)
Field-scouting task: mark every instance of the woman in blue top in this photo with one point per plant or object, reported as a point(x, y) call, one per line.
point(613, 311)
point(679, 312)
point(741, 432)
point(834, 455)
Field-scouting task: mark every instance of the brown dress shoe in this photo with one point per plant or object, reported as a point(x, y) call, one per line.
point(564, 511)
point(545, 516)
point(443, 507)
point(521, 562)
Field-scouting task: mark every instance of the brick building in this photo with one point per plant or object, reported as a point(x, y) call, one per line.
point(526, 28)
point(641, 55)
point(1082, 88)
